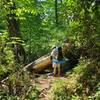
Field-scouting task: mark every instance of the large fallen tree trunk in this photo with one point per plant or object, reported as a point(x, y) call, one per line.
point(44, 62)
point(39, 64)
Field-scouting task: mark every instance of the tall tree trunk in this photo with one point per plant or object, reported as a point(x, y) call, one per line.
point(56, 11)
point(61, 1)
point(14, 31)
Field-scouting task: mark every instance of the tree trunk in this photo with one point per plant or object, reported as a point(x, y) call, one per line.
point(14, 31)
point(56, 11)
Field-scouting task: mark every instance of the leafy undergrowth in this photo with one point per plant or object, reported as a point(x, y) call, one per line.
point(18, 87)
point(6, 62)
point(82, 83)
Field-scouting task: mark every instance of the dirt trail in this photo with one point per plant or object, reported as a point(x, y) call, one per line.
point(44, 83)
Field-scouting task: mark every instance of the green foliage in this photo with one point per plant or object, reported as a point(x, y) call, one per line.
point(58, 91)
point(82, 83)
point(37, 24)
point(77, 19)
point(18, 87)
point(88, 72)
point(5, 96)
point(33, 94)
point(6, 56)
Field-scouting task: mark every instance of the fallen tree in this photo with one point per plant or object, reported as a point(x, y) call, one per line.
point(44, 61)
point(39, 64)
point(70, 52)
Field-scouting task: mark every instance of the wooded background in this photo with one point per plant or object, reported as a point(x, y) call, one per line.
point(29, 29)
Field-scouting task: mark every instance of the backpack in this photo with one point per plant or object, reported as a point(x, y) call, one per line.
point(55, 53)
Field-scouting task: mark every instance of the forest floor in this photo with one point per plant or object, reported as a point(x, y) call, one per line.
point(44, 83)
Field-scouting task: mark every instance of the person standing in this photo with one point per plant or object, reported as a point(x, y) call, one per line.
point(57, 60)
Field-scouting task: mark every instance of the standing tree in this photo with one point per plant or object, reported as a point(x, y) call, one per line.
point(56, 11)
point(13, 29)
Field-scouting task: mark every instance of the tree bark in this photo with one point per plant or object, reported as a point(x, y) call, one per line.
point(56, 11)
point(14, 31)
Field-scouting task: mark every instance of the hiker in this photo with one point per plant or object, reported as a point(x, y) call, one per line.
point(57, 60)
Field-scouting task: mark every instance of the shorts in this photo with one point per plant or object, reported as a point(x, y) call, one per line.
point(55, 61)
